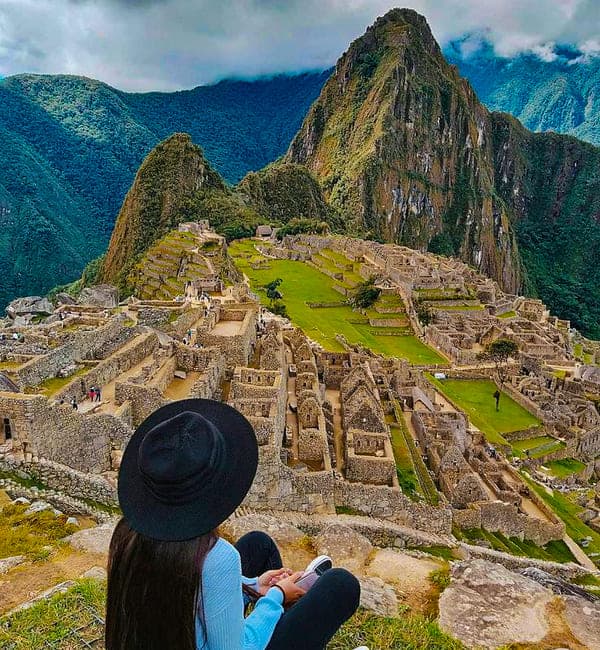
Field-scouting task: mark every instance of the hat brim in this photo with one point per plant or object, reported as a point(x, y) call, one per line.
point(216, 500)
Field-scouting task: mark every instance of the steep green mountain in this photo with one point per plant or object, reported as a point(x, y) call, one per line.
point(405, 151)
point(546, 95)
point(70, 148)
point(175, 183)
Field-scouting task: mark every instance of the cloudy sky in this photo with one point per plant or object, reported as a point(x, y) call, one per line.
point(172, 44)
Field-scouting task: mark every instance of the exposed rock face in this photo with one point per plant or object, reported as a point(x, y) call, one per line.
point(488, 606)
point(29, 305)
point(405, 151)
point(93, 540)
point(584, 620)
point(378, 597)
point(345, 546)
point(400, 142)
point(102, 295)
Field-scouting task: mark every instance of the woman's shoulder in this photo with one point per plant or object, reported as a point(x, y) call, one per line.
point(223, 556)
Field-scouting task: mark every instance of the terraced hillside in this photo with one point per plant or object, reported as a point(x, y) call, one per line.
point(178, 258)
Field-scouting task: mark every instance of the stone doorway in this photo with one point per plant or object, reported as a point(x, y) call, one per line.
point(5, 430)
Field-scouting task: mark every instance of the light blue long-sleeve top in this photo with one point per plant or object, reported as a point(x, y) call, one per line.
point(223, 605)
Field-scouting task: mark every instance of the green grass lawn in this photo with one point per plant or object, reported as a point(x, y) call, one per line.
point(74, 620)
point(476, 398)
point(303, 284)
point(555, 551)
point(538, 446)
point(565, 467)
point(508, 314)
point(407, 477)
point(568, 511)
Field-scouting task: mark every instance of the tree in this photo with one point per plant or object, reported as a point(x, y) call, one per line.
point(366, 294)
point(272, 290)
point(499, 352)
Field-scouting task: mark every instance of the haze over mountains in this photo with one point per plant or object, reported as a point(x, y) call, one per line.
point(555, 91)
point(401, 146)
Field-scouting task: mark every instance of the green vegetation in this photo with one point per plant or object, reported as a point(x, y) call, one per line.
point(302, 284)
point(59, 131)
point(555, 551)
point(508, 314)
point(29, 534)
point(565, 467)
point(407, 478)
point(476, 398)
point(75, 619)
point(536, 447)
point(365, 295)
point(54, 384)
point(568, 511)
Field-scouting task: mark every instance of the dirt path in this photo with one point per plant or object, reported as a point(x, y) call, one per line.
point(31, 579)
point(333, 396)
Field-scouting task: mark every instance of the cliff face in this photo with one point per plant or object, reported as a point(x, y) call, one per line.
point(170, 176)
point(402, 146)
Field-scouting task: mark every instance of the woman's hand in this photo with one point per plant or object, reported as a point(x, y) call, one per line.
point(291, 591)
point(270, 578)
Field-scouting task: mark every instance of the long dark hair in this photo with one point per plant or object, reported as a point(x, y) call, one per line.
point(154, 589)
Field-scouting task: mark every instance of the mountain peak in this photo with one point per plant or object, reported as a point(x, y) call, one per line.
point(159, 199)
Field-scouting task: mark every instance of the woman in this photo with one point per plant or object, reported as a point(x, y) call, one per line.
point(173, 583)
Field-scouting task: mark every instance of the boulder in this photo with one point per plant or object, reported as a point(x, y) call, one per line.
point(29, 305)
point(409, 574)
point(101, 295)
point(345, 546)
point(37, 506)
point(488, 606)
point(96, 572)
point(283, 533)
point(93, 540)
point(378, 597)
point(63, 298)
point(583, 619)
point(8, 563)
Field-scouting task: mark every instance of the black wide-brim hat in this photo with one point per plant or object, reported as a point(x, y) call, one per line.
point(187, 467)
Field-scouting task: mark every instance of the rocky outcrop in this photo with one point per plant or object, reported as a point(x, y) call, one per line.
point(102, 295)
point(160, 198)
point(30, 305)
point(403, 148)
point(488, 606)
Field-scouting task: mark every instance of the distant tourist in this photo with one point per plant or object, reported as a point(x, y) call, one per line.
point(185, 341)
point(497, 398)
point(98, 394)
point(91, 393)
point(172, 581)
point(15, 336)
point(74, 404)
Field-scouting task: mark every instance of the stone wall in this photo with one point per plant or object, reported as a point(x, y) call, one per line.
point(107, 370)
point(505, 518)
point(391, 504)
point(60, 434)
point(81, 345)
point(143, 400)
point(63, 479)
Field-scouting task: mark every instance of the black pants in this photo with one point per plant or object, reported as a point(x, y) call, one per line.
point(315, 618)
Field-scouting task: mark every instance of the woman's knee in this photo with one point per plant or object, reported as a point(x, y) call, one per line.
point(344, 584)
point(257, 538)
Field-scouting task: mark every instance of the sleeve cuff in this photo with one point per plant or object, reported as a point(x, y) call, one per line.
point(275, 595)
point(250, 582)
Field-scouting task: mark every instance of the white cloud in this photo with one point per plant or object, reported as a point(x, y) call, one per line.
point(169, 44)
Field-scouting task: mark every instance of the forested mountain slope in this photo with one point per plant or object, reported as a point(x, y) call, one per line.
point(70, 148)
point(560, 94)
